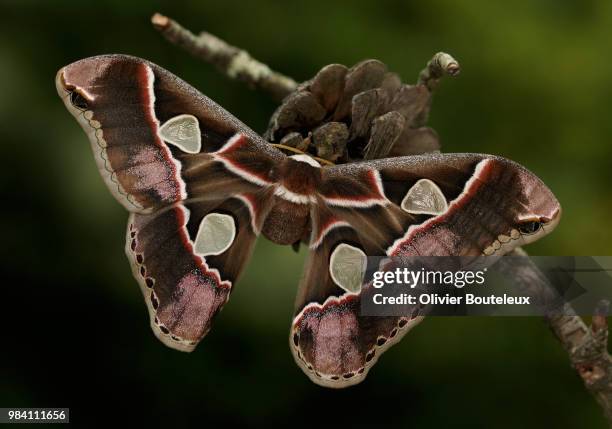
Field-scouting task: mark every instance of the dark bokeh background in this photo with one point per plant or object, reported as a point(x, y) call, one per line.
point(536, 87)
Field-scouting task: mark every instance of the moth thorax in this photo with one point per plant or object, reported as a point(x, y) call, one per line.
point(299, 176)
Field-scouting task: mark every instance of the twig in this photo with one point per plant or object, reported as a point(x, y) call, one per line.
point(588, 352)
point(441, 64)
point(587, 347)
point(234, 62)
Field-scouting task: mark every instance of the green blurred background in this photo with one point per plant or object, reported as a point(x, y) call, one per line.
point(536, 87)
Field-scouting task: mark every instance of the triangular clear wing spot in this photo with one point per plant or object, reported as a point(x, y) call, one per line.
point(183, 131)
point(424, 197)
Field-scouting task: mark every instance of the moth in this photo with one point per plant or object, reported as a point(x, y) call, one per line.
point(200, 187)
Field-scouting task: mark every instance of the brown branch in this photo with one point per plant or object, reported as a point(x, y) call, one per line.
point(588, 352)
point(587, 347)
point(441, 64)
point(233, 62)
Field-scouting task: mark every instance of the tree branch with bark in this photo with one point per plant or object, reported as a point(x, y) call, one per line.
point(233, 62)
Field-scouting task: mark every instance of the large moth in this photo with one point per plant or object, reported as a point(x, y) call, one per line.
point(200, 187)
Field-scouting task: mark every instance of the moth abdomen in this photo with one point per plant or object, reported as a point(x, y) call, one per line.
point(287, 222)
